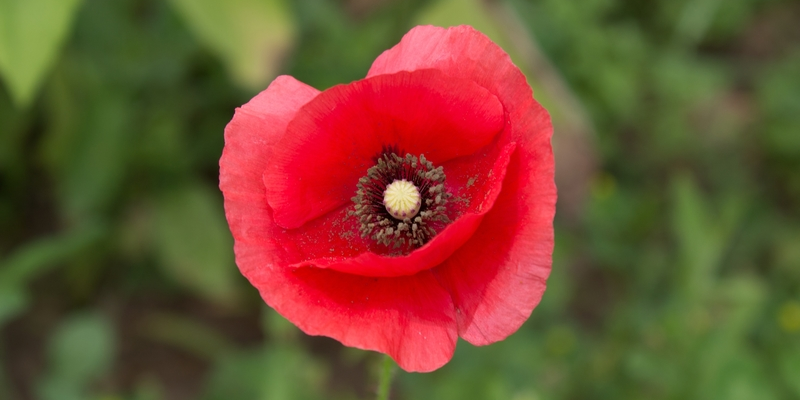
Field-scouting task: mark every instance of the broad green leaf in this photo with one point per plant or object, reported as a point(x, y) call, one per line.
point(94, 169)
point(193, 242)
point(251, 36)
point(82, 348)
point(31, 33)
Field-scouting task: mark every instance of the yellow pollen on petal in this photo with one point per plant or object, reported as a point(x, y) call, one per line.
point(401, 199)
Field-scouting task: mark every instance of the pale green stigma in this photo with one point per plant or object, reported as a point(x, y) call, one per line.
point(401, 199)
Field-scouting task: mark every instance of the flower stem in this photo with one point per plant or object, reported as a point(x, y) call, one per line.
point(385, 379)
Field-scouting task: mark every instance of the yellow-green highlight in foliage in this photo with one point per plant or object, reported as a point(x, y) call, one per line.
point(31, 34)
point(251, 37)
point(789, 316)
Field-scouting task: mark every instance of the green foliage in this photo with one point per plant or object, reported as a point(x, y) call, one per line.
point(186, 334)
point(193, 244)
point(276, 373)
point(36, 258)
point(250, 36)
point(81, 350)
point(31, 34)
point(676, 277)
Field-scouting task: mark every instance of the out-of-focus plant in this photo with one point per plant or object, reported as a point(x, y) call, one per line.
point(675, 276)
point(31, 34)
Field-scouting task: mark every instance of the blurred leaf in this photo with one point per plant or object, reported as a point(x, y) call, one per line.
point(94, 168)
point(81, 349)
point(60, 389)
point(12, 137)
point(274, 373)
point(277, 326)
point(702, 236)
point(12, 301)
point(186, 334)
point(338, 44)
point(5, 386)
point(193, 242)
point(683, 85)
point(447, 13)
point(251, 36)
point(741, 299)
point(742, 379)
point(695, 20)
point(723, 356)
point(35, 257)
point(148, 389)
point(790, 368)
point(789, 316)
point(660, 290)
point(778, 95)
point(31, 32)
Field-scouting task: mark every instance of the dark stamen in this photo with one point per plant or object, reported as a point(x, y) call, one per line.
point(377, 223)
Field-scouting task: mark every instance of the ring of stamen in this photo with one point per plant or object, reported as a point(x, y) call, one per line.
point(401, 202)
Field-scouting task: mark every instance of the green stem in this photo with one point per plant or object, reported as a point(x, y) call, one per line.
point(385, 379)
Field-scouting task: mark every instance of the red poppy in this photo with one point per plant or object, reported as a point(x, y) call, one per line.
point(307, 176)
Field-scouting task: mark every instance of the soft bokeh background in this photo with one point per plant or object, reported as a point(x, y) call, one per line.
point(677, 264)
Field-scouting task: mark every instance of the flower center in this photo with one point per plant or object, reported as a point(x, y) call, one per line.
point(401, 199)
point(401, 202)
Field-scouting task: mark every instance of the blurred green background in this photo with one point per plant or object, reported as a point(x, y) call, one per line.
point(677, 264)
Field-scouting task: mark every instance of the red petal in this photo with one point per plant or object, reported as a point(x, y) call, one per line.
point(442, 245)
point(249, 138)
point(459, 51)
point(410, 318)
point(334, 138)
point(498, 276)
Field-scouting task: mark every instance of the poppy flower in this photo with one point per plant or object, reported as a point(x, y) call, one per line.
point(402, 211)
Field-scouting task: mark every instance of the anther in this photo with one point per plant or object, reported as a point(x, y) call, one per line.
point(401, 201)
